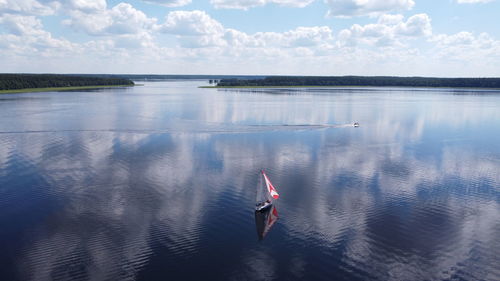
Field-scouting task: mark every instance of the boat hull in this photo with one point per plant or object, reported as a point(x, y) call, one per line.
point(263, 206)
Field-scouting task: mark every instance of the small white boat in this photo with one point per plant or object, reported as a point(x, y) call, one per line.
point(356, 124)
point(266, 193)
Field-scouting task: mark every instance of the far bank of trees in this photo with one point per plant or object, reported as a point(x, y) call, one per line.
point(376, 81)
point(25, 81)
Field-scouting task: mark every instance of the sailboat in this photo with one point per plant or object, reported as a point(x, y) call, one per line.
point(266, 194)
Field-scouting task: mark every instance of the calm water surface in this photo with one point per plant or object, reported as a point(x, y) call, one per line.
point(158, 183)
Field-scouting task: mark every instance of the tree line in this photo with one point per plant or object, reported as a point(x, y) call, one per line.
point(378, 81)
point(26, 81)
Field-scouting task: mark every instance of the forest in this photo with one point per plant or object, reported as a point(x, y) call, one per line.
point(28, 81)
point(376, 81)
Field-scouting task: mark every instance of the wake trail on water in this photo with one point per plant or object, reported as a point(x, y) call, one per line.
point(208, 128)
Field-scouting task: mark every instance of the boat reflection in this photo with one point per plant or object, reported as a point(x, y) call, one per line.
point(264, 221)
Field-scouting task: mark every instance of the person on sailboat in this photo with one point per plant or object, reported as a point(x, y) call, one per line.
point(262, 205)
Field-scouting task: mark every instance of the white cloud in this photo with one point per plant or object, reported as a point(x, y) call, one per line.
point(296, 38)
point(194, 28)
point(198, 29)
point(458, 39)
point(32, 7)
point(307, 36)
point(121, 19)
point(389, 30)
point(121, 29)
point(21, 25)
point(191, 23)
point(197, 42)
point(49, 7)
point(170, 3)
point(417, 25)
point(246, 4)
point(292, 3)
point(467, 47)
point(27, 37)
point(349, 8)
point(87, 5)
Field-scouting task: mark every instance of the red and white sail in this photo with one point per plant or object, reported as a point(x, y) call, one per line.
point(270, 187)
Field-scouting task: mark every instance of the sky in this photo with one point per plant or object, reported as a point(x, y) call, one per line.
point(444, 38)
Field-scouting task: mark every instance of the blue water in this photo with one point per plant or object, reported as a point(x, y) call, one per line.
point(158, 182)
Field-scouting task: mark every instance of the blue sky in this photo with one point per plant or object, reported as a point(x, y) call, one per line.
point(290, 37)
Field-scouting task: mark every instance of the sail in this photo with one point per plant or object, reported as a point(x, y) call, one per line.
point(262, 194)
point(270, 188)
point(266, 193)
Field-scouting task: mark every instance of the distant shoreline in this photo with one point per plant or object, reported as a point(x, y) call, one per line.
point(347, 86)
point(23, 83)
point(59, 89)
point(362, 81)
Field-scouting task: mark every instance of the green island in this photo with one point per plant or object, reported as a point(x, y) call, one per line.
point(23, 83)
point(358, 81)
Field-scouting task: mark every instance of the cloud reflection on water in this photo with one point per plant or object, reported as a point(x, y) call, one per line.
point(411, 194)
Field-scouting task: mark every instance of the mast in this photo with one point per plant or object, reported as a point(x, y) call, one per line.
point(262, 194)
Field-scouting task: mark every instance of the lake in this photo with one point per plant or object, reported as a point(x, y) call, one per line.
point(158, 182)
